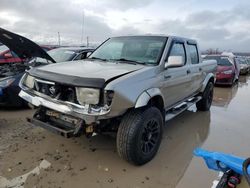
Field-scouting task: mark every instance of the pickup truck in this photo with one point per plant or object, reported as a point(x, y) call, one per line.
point(130, 85)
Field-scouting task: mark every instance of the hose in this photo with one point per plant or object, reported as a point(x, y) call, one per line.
point(246, 164)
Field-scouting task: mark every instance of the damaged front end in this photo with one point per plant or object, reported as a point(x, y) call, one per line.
point(65, 109)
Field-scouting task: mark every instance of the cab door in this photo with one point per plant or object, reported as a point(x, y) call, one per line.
point(197, 73)
point(176, 80)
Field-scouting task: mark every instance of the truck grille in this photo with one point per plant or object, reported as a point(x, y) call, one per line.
point(55, 90)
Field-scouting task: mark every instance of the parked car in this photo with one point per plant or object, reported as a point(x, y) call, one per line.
point(244, 66)
point(129, 85)
point(11, 73)
point(226, 73)
point(232, 59)
point(8, 56)
point(64, 54)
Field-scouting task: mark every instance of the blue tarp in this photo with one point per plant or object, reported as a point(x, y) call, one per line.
point(225, 161)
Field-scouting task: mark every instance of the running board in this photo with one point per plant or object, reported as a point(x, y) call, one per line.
point(175, 111)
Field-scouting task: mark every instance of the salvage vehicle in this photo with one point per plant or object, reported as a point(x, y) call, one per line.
point(12, 72)
point(7, 56)
point(129, 85)
point(226, 73)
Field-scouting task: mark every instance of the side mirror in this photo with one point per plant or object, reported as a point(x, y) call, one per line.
point(7, 55)
point(174, 61)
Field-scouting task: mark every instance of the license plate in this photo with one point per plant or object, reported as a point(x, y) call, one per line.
point(62, 117)
point(53, 113)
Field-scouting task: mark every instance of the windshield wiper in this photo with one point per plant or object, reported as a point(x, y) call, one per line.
point(97, 58)
point(128, 61)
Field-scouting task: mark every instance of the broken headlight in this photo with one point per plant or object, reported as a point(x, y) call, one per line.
point(87, 95)
point(29, 81)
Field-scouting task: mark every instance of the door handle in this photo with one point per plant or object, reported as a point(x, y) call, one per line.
point(200, 69)
point(167, 77)
point(188, 71)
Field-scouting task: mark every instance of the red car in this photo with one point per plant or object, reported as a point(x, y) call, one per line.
point(7, 56)
point(227, 70)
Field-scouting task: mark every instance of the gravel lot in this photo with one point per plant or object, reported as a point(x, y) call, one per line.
point(33, 157)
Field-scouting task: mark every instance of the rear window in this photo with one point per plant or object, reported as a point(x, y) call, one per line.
point(222, 61)
point(193, 53)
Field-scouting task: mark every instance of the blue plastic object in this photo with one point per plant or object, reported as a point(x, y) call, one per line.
point(220, 161)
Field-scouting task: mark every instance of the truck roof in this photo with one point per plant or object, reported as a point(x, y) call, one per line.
point(160, 35)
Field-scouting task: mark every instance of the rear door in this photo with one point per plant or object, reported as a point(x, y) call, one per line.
point(177, 81)
point(197, 72)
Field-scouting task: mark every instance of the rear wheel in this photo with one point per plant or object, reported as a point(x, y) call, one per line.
point(205, 103)
point(139, 135)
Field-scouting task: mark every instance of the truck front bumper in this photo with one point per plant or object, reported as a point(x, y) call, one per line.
point(82, 112)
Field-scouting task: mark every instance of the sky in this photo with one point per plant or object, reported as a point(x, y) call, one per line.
point(223, 24)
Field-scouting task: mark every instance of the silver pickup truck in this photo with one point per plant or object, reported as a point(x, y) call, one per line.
point(130, 85)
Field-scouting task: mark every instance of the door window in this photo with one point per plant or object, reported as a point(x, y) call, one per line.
point(178, 49)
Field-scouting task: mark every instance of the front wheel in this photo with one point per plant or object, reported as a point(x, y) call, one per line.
point(205, 103)
point(139, 135)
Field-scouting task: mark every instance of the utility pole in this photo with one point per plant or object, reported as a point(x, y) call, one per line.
point(87, 41)
point(82, 28)
point(59, 39)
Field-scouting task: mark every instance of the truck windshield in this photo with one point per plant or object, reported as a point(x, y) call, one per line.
point(137, 49)
point(221, 61)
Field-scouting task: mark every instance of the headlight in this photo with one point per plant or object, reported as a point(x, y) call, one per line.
point(29, 81)
point(87, 95)
point(5, 82)
point(228, 72)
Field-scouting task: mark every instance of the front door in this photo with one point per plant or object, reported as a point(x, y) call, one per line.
point(176, 81)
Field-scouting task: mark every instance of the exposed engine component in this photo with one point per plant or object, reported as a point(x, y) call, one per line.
point(11, 69)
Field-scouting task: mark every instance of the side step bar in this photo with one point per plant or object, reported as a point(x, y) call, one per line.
point(175, 111)
point(63, 132)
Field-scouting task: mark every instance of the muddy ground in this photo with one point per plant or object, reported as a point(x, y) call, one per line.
point(33, 157)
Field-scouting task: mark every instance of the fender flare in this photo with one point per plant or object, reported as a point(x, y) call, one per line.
point(145, 97)
point(205, 82)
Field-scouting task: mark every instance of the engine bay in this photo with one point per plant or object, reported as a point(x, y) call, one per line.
point(12, 69)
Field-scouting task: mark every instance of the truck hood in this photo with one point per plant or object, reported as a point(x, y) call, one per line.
point(22, 46)
point(85, 73)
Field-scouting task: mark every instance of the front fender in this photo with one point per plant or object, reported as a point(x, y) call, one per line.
point(144, 98)
point(207, 79)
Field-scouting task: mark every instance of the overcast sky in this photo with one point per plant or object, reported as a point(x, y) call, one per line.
point(223, 24)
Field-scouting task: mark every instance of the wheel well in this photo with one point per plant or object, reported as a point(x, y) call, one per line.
point(211, 80)
point(158, 102)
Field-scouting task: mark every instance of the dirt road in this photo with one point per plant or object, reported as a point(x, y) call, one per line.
point(33, 157)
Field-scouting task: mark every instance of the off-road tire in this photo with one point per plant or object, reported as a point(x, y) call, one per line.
point(134, 134)
point(207, 97)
